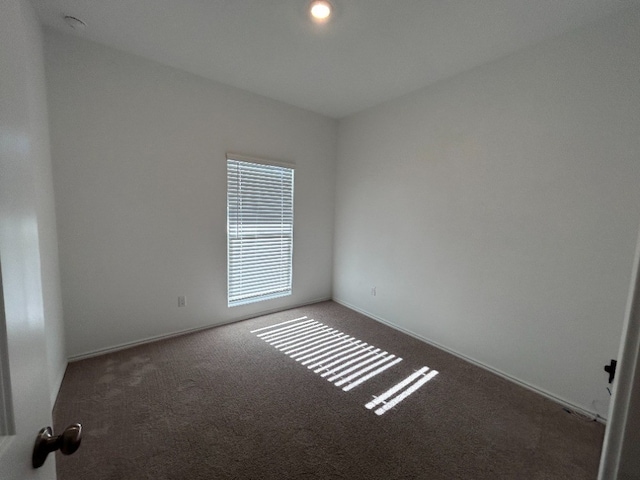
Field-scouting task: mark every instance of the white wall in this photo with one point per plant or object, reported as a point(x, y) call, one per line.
point(497, 212)
point(140, 181)
point(32, 314)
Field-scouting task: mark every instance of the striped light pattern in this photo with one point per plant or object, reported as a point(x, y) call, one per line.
point(343, 360)
point(259, 231)
point(403, 389)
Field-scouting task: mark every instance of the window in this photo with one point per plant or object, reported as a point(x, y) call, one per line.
point(259, 230)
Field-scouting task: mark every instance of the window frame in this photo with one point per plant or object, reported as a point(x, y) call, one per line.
point(279, 285)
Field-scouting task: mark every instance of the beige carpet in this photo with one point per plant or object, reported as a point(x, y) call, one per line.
point(225, 403)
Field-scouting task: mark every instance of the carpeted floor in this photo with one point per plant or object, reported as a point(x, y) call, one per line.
point(225, 403)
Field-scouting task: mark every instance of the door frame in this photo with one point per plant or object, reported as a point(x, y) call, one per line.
point(627, 373)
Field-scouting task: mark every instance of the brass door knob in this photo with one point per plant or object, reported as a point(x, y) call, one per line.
point(46, 443)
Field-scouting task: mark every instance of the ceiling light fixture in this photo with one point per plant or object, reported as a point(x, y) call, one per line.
point(320, 10)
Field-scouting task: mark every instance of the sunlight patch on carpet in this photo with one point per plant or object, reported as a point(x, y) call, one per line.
point(342, 359)
point(412, 383)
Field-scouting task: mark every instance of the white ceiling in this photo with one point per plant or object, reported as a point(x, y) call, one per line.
point(371, 51)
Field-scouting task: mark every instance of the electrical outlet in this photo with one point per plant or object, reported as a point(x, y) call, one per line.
point(182, 301)
point(373, 291)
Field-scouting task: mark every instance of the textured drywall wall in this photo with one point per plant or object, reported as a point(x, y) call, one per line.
point(497, 212)
point(140, 181)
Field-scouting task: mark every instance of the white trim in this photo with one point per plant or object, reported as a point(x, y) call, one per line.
point(544, 393)
point(155, 338)
point(259, 161)
point(56, 383)
point(628, 371)
point(7, 424)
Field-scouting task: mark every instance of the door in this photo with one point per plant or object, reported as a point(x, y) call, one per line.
point(25, 406)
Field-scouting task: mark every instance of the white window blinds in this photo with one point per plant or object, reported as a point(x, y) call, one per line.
point(259, 231)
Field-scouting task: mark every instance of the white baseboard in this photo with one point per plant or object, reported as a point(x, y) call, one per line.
point(565, 403)
point(155, 338)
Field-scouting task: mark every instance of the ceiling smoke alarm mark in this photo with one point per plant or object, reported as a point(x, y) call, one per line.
point(75, 23)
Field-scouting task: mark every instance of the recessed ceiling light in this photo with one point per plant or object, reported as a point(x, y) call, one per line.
point(75, 23)
point(320, 10)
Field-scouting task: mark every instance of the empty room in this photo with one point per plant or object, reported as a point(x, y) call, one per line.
point(351, 239)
